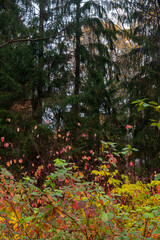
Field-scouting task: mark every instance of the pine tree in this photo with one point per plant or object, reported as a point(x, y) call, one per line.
point(91, 35)
point(15, 63)
point(72, 77)
point(143, 18)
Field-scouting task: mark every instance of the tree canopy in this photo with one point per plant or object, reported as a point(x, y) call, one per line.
point(77, 67)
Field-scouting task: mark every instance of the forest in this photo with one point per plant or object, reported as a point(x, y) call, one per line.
point(79, 119)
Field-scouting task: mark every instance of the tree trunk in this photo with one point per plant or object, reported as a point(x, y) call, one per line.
point(75, 107)
point(37, 100)
point(77, 70)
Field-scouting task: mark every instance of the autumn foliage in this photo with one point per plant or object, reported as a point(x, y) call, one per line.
point(90, 200)
point(67, 206)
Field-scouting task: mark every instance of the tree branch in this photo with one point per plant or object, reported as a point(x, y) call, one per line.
point(24, 40)
point(27, 39)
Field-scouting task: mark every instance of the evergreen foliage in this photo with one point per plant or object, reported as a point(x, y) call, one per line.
point(143, 17)
point(68, 63)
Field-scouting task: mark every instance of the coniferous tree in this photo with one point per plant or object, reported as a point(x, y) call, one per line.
point(15, 65)
point(70, 79)
point(142, 19)
point(90, 34)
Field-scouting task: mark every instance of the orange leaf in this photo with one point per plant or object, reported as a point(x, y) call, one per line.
point(8, 120)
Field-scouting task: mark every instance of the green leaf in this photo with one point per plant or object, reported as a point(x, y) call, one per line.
point(139, 210)
point(2, 226)
point(3, 212)
point(116, 154)
point(137, 101)
point(35, 210)
point(34, 193)
point(41, 214)
point(114, 164)
point(27, 219)
point(134, 232)
point(154, 124)
point(58, 236)
point(145, 104)
point(148, 215)
point(108, 232)
point(129, 146)
point(104, 144)
point(7, 174)
point(157, 177)
point(156, 231)
point(106, 216)
point(16, 198)
point(147, 208)
point(27, 178)
point(135, 149)
point(141, 107)
point(154, 103)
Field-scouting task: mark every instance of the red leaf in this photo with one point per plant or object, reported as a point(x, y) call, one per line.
point(20, 160)
point(75, 205)
point(6, 145)
point(131, 164)
point(129, 127)
point(112, 160)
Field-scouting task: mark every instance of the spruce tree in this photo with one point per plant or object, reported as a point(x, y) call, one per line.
point(142, 21)
point(15, 64)
point(91, 35)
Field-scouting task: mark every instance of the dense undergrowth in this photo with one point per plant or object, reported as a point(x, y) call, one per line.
point(67, 207)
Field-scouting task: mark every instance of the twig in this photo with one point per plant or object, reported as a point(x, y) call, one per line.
point(16, 216)
point(56, 208)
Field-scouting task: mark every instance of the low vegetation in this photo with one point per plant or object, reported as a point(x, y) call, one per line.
point(67, 206)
